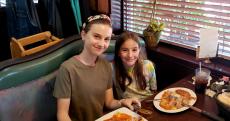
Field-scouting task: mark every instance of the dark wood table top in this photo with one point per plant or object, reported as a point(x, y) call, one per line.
point(203, 102)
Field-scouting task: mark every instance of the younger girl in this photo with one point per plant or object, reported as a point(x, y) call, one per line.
point(134, 77)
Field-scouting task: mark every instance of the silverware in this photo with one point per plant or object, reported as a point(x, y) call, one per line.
point(136, 107)
point(205, 113)
point(152, 100)
point(170, 97)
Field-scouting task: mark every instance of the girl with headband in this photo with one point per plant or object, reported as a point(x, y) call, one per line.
point(84, 82)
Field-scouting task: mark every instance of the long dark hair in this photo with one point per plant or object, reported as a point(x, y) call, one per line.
point(120, 72)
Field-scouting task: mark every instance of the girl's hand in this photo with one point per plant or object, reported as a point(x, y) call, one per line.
point(130, 102)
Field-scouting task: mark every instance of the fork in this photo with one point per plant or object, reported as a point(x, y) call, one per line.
point(151, 100)
point(136, 107)
point(171, 97)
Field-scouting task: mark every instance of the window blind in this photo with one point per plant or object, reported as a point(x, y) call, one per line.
point(183, 19)
point(116, 17)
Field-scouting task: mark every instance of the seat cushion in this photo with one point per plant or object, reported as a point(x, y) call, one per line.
point(32, 101)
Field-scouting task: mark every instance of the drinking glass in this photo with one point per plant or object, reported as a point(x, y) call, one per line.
point(202, 76)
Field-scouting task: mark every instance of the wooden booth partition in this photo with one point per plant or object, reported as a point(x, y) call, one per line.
point(100, 6)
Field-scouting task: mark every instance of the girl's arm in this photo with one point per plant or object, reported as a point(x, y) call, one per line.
point(152, 76)
point(111, 103)
point(63, 109)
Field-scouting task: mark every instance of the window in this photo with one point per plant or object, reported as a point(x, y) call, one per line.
point(3, 2)
point(116, 14)
point(183, 19)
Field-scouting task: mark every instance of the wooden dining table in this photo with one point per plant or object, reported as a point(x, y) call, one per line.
point(203, 102)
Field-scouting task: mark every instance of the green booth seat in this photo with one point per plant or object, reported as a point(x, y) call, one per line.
point(26, 84)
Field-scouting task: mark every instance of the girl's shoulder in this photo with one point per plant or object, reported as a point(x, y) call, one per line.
point(103, 62)
point(68, 62)
point(146, 62)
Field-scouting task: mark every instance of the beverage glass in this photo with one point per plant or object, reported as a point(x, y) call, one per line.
point(202, 76)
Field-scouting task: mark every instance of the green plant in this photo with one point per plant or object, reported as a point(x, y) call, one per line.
point(155, 26)
point(153, 31)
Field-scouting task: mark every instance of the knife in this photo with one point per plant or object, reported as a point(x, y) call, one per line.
point(205, 113)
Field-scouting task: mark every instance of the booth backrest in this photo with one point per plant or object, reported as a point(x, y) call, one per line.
point(26, 84)
point(36, 67)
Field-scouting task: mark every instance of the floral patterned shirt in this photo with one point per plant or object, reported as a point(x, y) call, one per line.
point(132, 90)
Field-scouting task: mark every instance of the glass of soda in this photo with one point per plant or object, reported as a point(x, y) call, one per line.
point(202, 76)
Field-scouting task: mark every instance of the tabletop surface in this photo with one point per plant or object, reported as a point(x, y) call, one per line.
point(203, 102)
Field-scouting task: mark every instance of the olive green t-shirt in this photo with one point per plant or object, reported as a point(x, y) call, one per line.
point(85, 86)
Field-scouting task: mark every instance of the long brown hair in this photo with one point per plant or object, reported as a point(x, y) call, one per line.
point(120, 72)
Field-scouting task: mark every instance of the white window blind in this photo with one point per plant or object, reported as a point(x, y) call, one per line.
point(116, 14)
point(183, 19)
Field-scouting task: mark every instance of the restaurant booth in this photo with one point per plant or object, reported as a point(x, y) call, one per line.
point(26, 83)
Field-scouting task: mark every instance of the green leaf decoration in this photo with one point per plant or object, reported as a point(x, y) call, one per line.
point(156, 26)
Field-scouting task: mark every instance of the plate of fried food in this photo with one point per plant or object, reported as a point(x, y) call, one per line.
point(122, 114)
point(174, 100)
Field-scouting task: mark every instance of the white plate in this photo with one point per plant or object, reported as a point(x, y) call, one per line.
point(159, 95)
point(121, 110)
